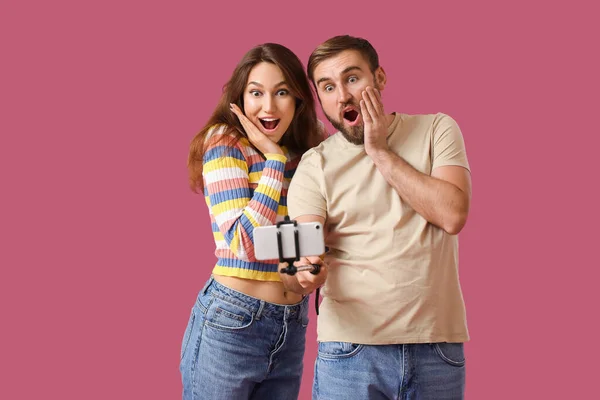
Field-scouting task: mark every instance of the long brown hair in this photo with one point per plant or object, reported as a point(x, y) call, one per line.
point(303, 132)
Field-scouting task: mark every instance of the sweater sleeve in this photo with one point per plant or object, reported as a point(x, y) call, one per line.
point(236, 209)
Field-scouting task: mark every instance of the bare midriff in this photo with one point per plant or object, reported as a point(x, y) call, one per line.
point(272, 292)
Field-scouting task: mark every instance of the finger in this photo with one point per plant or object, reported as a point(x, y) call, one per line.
point(309, 281)
point(375, 101)
point(236, 110)
point(308, 274)
point(241, 116)
point(248, 126)
point(314, 260)
point(306, 279)
point(302, 261)
point(369, 105)
point(365, 113)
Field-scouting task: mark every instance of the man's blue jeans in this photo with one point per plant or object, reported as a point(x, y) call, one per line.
point(348, 371)
point(239, 347)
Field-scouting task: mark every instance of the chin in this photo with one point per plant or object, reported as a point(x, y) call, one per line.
point(354, 134)
point(274, 137)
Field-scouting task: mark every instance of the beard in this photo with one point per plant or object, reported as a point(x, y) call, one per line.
point(353, 134)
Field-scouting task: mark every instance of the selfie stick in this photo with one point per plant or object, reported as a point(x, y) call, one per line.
point(291, 269)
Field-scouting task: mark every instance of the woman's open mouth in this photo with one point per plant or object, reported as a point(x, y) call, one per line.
point(269, 123)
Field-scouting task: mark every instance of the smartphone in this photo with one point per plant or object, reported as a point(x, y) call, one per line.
point(310, 239)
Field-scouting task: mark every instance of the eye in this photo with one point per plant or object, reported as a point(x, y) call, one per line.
point(328, 88)
point(255, 93)
point(282, 92)
point(352, 79)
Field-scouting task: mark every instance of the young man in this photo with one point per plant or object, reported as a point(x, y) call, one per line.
point(392, 191)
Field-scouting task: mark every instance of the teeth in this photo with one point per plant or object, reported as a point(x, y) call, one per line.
point(269, 119)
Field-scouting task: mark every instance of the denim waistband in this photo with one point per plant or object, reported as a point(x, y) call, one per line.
point(256, 306)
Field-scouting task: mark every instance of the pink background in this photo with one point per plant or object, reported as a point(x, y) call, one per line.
point(104, 248)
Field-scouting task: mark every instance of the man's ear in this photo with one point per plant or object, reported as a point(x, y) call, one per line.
point(380, 77)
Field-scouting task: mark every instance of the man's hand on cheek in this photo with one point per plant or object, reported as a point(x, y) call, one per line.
point(374, 120)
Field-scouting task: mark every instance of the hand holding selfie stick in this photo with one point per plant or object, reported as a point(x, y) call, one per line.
point(312, 245)
point(291, 269)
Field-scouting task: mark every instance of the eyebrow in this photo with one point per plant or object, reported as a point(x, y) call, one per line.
point(260, 85)
point(345, 71)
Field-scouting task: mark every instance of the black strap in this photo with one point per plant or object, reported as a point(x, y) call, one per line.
point(317, 300)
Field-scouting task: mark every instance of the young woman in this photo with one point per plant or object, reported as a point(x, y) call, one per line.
point(246, 334)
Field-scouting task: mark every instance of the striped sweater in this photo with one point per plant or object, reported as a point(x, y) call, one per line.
point(243, 190)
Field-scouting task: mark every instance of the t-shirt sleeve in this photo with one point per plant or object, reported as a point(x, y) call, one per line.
point(448, 143)
point(306, 191)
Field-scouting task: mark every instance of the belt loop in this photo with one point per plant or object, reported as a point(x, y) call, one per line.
point(260, 309)
point(205, 288)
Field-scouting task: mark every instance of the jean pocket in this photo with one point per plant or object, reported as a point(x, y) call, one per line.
point(188, 332)
point(227, 316)
point(303, 319)
point(335, 350)
point(304, 322)
point(452, 353)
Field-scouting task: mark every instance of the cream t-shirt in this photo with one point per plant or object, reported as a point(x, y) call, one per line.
point(393, 276)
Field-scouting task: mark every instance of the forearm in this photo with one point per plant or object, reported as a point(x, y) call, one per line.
point(265, 200)
point(236, 213)
point(441, 203)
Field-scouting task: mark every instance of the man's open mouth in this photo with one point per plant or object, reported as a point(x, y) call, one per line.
point(350, 115)
point(269, 123)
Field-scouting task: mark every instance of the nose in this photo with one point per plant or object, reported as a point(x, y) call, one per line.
point(344, 95)
point(269, 105)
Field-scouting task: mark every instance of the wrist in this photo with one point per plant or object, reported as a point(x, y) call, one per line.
point(276, 156)
point(377, 154)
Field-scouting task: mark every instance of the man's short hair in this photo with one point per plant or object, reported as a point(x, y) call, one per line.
point(336, 45)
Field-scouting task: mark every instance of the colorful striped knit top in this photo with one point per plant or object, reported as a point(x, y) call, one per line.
point(243, 190)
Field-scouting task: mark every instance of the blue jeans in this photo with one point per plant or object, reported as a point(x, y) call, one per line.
point(239, 347)
point(348, 371)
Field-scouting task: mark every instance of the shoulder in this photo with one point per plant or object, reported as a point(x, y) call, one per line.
point(444, 126)
point(221, 141)
point(431, 123)
point(330, 145)
point(426, 119)
point(441, 119)
point(223, 135)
